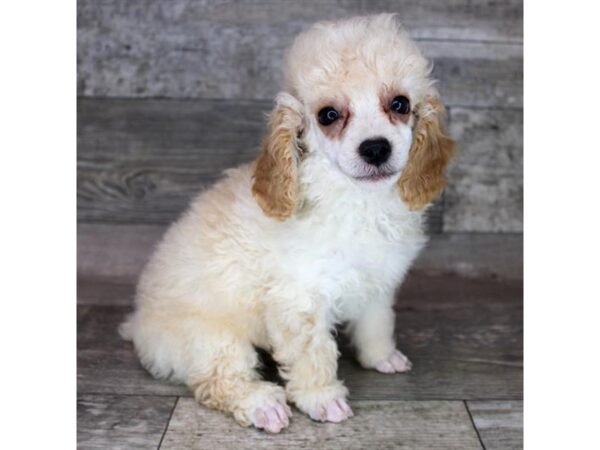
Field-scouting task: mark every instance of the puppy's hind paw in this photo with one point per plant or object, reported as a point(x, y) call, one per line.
point(272, 418)
point(396, 362)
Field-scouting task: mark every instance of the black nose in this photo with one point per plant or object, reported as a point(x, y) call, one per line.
point(375, 151)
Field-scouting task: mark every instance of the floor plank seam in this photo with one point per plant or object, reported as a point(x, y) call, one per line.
point(473, 423)
point(168, 423)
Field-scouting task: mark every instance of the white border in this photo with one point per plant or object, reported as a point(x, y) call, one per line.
point(37, 238)
point(562, 225)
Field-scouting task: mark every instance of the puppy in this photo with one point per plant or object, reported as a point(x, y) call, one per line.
point(318, 231)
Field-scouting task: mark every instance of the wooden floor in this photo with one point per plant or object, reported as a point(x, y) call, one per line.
point(464, 336)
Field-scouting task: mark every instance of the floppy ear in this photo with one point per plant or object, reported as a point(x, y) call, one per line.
point(423, 178)
point(275, 184)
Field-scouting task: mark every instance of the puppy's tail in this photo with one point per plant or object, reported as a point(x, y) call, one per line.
point(126, 328)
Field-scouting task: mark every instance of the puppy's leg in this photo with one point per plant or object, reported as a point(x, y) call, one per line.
point(373, 335)
point(307, 354)
point(216, 364)
point(229, 382)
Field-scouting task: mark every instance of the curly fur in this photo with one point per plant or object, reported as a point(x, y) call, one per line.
point(275, 175)
point(423, 178)
point(309, 236)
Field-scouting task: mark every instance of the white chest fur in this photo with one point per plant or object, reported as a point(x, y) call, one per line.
point(347, 245)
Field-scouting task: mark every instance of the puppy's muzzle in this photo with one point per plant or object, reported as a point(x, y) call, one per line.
point(375, 151)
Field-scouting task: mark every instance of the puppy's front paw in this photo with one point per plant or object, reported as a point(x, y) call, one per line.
point(272, 418)
point(265, 407)
point(324, 404)
point(335, 411)
point(396, 362)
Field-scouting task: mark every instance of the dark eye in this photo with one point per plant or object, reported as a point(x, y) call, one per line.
point(400, 105)
point(328, 115)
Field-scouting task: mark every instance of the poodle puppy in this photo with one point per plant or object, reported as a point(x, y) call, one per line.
point(318, 231)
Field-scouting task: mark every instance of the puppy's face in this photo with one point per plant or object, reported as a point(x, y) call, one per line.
point(358, 91)
point(363, 126)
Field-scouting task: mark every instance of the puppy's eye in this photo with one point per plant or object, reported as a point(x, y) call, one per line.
point(328, 115)
point(400, 105)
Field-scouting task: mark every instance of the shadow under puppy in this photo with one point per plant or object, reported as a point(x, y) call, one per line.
point(319, 230)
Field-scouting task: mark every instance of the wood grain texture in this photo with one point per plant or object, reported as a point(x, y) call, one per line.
point(142, 161)
point(121, 422)
point(116, 254)
point(499, 423)
point(213, 49)
point(477, 75)
point(94, 291)
point(463, 336)
point(377, 425)
point(473, 255)
point(107, 364)
point(485, 189)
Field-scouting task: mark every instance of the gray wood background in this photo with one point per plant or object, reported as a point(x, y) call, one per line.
point(173, 92)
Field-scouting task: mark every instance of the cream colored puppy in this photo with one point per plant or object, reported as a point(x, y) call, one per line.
point(318, 231)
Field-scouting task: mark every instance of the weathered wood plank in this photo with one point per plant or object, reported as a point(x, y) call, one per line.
point(234, 50)
point(499, 423)
point(479, 20)
point(142, 161)
point(106, 363)
point(477, 75)
point(94, 291)
point(485, 189)
point(473, 255)
point(463, 336)
point(121, 422)
point(377, 425)
point(117, 253)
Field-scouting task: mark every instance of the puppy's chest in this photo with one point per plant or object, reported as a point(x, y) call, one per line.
point(349, 261)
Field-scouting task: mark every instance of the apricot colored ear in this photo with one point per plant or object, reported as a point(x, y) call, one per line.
point(275, 185)
point(423, 178)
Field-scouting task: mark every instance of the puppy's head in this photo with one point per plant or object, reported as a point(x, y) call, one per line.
point(359, 91)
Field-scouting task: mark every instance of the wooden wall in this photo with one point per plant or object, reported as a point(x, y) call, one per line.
point(173, 92)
